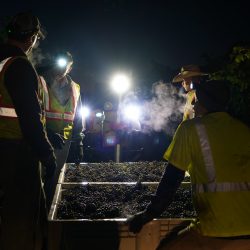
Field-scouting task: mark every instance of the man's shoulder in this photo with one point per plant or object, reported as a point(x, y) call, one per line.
point(189, 123)
point(191, 92)
point(74, 84)
point(20, 65)
point(20, 68)
point(7, 50)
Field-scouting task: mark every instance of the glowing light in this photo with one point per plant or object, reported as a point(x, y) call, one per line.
point(132, 112)
point(61, 62)
point(85, 112)
point(108, 106)
point(110, 140)
point(98, 114)
point(120, 83)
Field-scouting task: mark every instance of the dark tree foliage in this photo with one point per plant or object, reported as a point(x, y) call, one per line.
point(236, 70)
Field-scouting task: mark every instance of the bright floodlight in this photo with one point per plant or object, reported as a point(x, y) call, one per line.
point(120, 84)
point(85, 112)
point(132, 112)
point(61, 62)
point(98, 114)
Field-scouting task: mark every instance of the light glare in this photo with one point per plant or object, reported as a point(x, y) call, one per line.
point(132, 112)
point(98, 114)
point(85, 111)
point(120, 84)
point(62, 62)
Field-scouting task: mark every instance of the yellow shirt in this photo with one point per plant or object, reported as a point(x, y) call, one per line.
point(188, 109)
point(220, 213)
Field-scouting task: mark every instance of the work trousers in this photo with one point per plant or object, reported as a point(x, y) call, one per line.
point(50, 185)
point(190, 239)
point(20, 201)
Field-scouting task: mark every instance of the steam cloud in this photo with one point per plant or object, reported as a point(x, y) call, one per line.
point(36, 56)
point(164, 111)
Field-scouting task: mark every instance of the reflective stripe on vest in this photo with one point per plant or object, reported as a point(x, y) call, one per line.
point(6, 111)
point(45, 90)
point(3, 62)
point(59, 116)
point(212, 185)
point(206, 151)
point(221, 187)
point(75, 95)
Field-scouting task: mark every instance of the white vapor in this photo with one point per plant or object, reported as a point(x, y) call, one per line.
point(165, 109)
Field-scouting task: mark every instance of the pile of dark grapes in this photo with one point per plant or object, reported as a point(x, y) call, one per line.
point(118, 201)
point(116, 172)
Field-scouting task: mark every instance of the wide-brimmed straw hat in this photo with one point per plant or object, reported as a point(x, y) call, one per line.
point(188, 71)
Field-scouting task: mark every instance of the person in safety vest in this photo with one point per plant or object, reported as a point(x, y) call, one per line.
point(23, 139)
point(215, 149)
point(189, 77)
point(64, 124)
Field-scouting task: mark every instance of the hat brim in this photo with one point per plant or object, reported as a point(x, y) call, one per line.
point(41, 34)
point(186, 74)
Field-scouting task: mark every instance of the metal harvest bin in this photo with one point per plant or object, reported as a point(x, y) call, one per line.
point(84, 231)
point(129, 189)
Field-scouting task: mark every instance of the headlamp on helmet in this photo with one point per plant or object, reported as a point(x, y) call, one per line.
point(61, 62)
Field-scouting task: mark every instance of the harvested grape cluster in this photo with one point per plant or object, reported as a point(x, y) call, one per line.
point(115, 172)
point(118, 201)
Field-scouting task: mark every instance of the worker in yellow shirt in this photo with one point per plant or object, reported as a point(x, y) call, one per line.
point(189, 77)
point(215, 149)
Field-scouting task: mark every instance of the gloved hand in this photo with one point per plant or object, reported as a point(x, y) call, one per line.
point(78, 154)
point(57, 140)
point(137, 221)
point(49, 164)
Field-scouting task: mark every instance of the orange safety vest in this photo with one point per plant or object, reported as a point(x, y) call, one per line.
point(9, 123)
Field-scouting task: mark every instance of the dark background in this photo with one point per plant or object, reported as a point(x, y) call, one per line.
point(148, 40)
point(141, 38)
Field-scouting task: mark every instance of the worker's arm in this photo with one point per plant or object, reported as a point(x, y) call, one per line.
point(22, 84)
point(170, 182)
point(78, 125)
point(77, 134)
point(166, 190)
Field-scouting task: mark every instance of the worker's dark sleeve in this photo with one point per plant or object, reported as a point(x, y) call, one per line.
point(22, 84)
point(170, 182)
point(78, 125)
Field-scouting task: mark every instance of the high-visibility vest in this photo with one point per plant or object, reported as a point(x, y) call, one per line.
point(216, 197)
point(42, 90)
point(188, 108)
point(212, 185)
point(60, 118)
point(9, 123)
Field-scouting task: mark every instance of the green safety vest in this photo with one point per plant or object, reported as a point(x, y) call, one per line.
point(215, 150)
point(218, 196)
point(60, 118)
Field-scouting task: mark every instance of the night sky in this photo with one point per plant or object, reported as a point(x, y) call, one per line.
point(132, 35)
